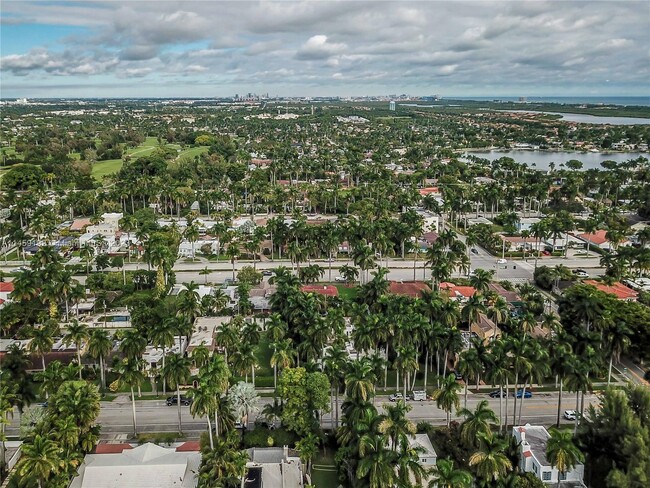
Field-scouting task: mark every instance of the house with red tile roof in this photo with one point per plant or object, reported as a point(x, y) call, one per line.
point(457, 292)
point(411, 289)
point(6, 287)
point(599, 238)
point(619, 290)
point(326, 290)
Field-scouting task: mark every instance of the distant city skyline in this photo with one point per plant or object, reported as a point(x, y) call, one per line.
point(327, 48)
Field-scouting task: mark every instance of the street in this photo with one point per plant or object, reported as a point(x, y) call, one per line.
point(155, 416)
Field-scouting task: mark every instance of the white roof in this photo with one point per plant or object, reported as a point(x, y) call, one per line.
point(146, 466)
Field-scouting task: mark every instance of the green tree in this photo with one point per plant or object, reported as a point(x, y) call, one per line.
point(562, 452)
point(490, 461)
point(99, 347)
point(446, 396)
point(444, 475)
point(476, 423)
point(77, 334)
point(130, 371)
point(177, 372)
point(41, 459)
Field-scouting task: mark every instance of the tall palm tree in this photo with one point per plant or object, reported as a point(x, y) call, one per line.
point(283, 357)
point(446, 396)
point(479, 421)
point(41, 459)
point(100, 346)
point(130, 371)
point(377, 461)
point(162, 335)
point(177, 372)
point(203, 404)
point(469, 366)
point(410, 471)
point(215, 375)
point(77, 334)
point(562, 452)
point(445, 476)
point(359, 380)
point(42, 341)
point(490, 461)
point(395, 425)
point(617, 338)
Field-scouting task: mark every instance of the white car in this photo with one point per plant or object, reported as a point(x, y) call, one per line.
point(581, 274)
point(501, 261)
point(570, 414)
point(339, 279)
point(395, 397)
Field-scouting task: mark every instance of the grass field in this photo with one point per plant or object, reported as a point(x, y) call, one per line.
point(110, 166)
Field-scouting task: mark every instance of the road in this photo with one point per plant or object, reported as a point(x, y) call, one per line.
point(155, 416)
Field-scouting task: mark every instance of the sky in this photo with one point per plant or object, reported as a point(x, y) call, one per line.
point(324, 48)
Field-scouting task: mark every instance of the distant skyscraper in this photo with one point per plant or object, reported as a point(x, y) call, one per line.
point(391, 106)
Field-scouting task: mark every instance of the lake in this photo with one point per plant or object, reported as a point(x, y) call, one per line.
point(542, 159)
point(589, 119)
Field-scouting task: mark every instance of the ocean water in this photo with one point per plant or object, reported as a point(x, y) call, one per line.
point(603, 100)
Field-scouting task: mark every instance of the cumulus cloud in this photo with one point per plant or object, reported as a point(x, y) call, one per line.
point(428, 47)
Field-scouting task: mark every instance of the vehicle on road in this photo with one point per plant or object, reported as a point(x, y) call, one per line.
point(501, 261)
point(570, 414)
point(474, 250)
point(339, 279)
point(19, 270)
point(581, 273)
point(528, 393)
point(418, 395)
point(497, 393)
point(546, 253)
point(267, 272)
point(173, 400)
point(395, 397)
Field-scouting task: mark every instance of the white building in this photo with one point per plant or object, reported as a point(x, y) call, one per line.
point(145, 466)
point(109, 225)
point(273, 467)
point(533, 440)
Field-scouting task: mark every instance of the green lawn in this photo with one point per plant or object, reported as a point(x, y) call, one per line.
point(103, 168)
point(347, 293)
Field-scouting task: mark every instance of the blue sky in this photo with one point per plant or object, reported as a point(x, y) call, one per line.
point(176, 49)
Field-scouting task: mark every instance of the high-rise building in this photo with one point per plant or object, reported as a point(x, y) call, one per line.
point(391, 106)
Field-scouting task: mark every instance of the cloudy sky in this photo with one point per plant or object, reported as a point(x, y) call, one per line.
point(213, 48)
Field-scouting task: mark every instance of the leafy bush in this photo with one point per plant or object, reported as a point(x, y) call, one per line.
point(259, 437)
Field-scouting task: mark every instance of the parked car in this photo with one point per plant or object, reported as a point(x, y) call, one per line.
point(267, 272)
point(497, 393)
point(395, 397)
point(581, 273)
point(173, 400)
point(528, 393)
point(339, 279)
point(474, 250)
point(570, 414)
point(546, 253)
point(501, 261)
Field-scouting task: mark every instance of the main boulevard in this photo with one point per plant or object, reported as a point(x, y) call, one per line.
point(155, 416)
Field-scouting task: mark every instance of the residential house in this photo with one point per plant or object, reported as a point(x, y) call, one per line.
point(485, 328)
point(619, 290)
point(108, 226)
point(273, 467)
point(145, 466)
point(524, 224)
point(532, 441)
point(326, 290)
point(599, 238)
point(457, 292)
point(6, 288)
point(411, 289)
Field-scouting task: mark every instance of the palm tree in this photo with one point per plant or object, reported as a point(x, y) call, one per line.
point(359, 380)
point(243, 399)
point(177, 372)
point(100, 346)
point(469, 366)
point(617, 338)
point(283, 356)
point(377, 462)
point(203, 404)
point(446, 396)
point(205, 272)
point(445, 476)
point(86, 253)
point(233, 254)
point(395, 425)
point(490, 462)
point(307, 446)
point(42, 342)
point(77, 334)
point(409, 468)
point(162, 335)
point(481, 280)
point(215, 374)
point(479, 421)
point(562, 452)
point(41, 459)
point(130, 371)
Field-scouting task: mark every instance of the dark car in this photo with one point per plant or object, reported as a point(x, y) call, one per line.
point(528, 393)
point(497, 393)
point(474, 250)
point(267, 272)
point(457, 375)
point(173, 400)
